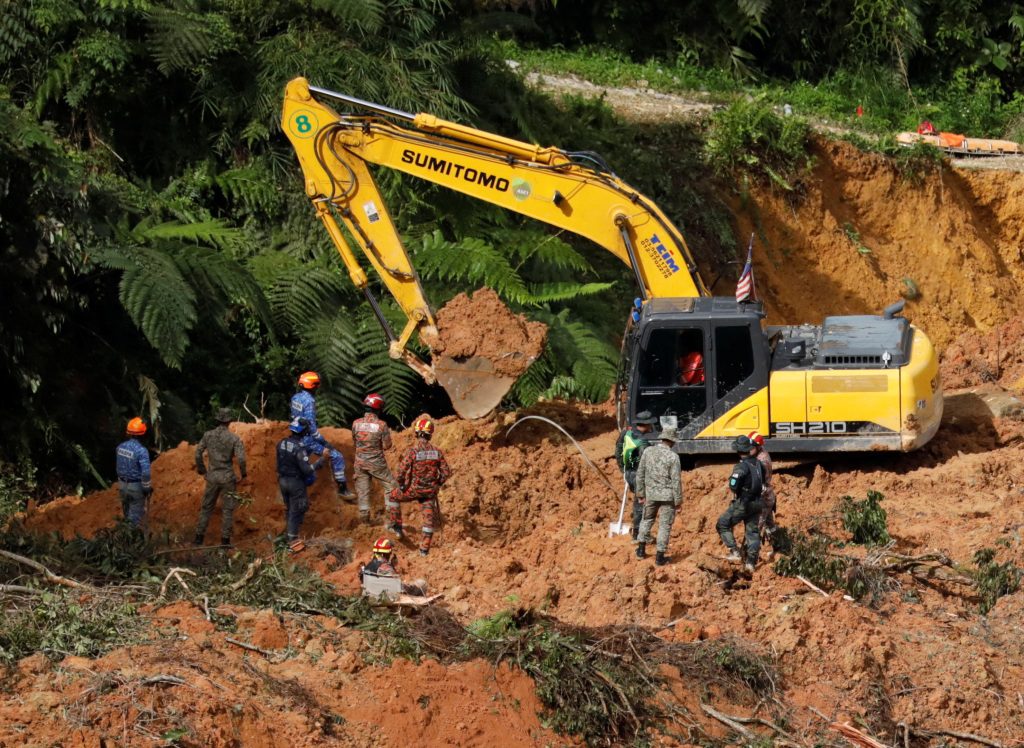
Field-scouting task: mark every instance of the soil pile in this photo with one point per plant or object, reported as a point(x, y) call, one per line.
point(317, 691)
point(483, 326)
point(862, 234)
point(996, 356)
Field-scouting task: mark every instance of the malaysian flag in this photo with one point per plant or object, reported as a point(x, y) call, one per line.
point(745, 285)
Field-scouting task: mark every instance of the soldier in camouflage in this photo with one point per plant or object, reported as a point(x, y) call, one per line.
point(222, 447)
point(659, 488)
point(421, 473)
point(746, 483)
point(371, 436)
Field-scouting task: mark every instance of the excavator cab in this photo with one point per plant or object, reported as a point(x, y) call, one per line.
point(691, 362)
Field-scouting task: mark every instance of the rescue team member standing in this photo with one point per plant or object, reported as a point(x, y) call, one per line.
point(371, 436)
point(294, 473)
point(660, 490)
point(628, 449)
point(133, 477)
point(303, 405)
point(223, 447)
point(746, 483)
point(421, 473)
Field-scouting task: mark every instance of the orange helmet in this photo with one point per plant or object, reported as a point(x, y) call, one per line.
point(756, 437)
point(373, 400)
point(309, 380)
point(136, 427)
point(383, 547)
point(423, 425)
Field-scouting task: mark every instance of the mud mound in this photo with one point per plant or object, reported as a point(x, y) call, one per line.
point(322, 694)
point(977, 358)
point(483, 326)
point(863, 234)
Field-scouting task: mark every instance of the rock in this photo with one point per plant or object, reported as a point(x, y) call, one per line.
point(710, 632)
point(267, 631)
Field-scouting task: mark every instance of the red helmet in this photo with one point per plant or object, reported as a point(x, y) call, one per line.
point(423, 425)
point(373, 400)
point(691, 368)
point(136, 427)
point(756, 437)
point(309, 380)
point(383, 547)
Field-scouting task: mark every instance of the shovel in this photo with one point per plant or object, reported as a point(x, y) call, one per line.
point(620, 528)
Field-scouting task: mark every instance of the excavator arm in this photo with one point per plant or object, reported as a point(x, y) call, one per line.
point(570, 190)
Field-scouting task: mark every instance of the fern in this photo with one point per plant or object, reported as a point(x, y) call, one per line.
point(155, 295)
point(181, 40)
point(15, 34)
point(542, 293)
point(367, 15)
point(221, 282)
point(579, 349)
point(472, 262)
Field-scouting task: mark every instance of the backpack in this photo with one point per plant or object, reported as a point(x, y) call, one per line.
point(631, 449)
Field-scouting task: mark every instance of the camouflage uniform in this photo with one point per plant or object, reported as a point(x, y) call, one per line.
point(372, 436)
point(659, 484)
point(746, 483)
point(133, 478)
point(421, 473)
point(767, 493)
point(223, 447)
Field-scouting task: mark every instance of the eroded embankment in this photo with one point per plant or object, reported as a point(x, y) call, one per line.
point(862, 233)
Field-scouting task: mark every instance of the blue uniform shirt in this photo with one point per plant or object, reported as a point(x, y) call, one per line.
point(304, 406)
point(133, 463)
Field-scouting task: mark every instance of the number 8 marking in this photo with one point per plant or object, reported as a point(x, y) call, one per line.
point(302, 124)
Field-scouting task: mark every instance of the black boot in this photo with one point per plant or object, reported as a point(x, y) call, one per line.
point(641, 550)
point(197, 540)
point(660, 559)
point(226, 542)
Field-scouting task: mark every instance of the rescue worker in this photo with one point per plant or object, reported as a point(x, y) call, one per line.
point(294, 473)
point(767, 526)
point(371, 436)
point(746, 483)
point(223, 447)
point(385, 564)
point(691, 369)
point(303, 405)
point(659, 488)
point(421, 473)
point(133, 477)
point(628, 449)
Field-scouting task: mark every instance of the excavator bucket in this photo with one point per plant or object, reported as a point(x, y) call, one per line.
point(473, 385)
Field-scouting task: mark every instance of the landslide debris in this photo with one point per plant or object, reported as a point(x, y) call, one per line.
point(481, 325)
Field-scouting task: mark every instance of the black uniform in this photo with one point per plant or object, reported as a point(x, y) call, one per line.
point(746, 482)
point(293, 472)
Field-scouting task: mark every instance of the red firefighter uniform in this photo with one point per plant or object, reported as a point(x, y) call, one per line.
point(421, 473)
point(372, 437)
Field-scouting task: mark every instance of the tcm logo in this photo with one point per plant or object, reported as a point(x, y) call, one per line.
point(665, 254)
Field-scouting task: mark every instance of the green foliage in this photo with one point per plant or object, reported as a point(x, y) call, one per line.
point(854, 236)
point(865, 520)
point(59, 624)
point(994, 580)
point(17, 483)
point(749, 136)
point(809, 558)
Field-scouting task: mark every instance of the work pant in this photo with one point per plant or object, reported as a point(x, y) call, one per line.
point(749, 513)
point(427, 515)
point(638, 508)
point(296, 502)
point(336, 458)
point(363, 480)
point(768, 514)
point(665, 511)
point(215, 489)
point(133, 502)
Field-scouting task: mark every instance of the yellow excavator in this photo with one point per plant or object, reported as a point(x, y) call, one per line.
point(706, 365)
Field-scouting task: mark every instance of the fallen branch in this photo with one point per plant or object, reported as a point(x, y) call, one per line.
point(154, 680)
point(817, 589)
point(47, 574)
point(970, 737)
point(250, 572)
point(855, 736)
point(17, 588)
point(175, 573)
point(729, 722)
point(189, 548)
point(250, 647)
